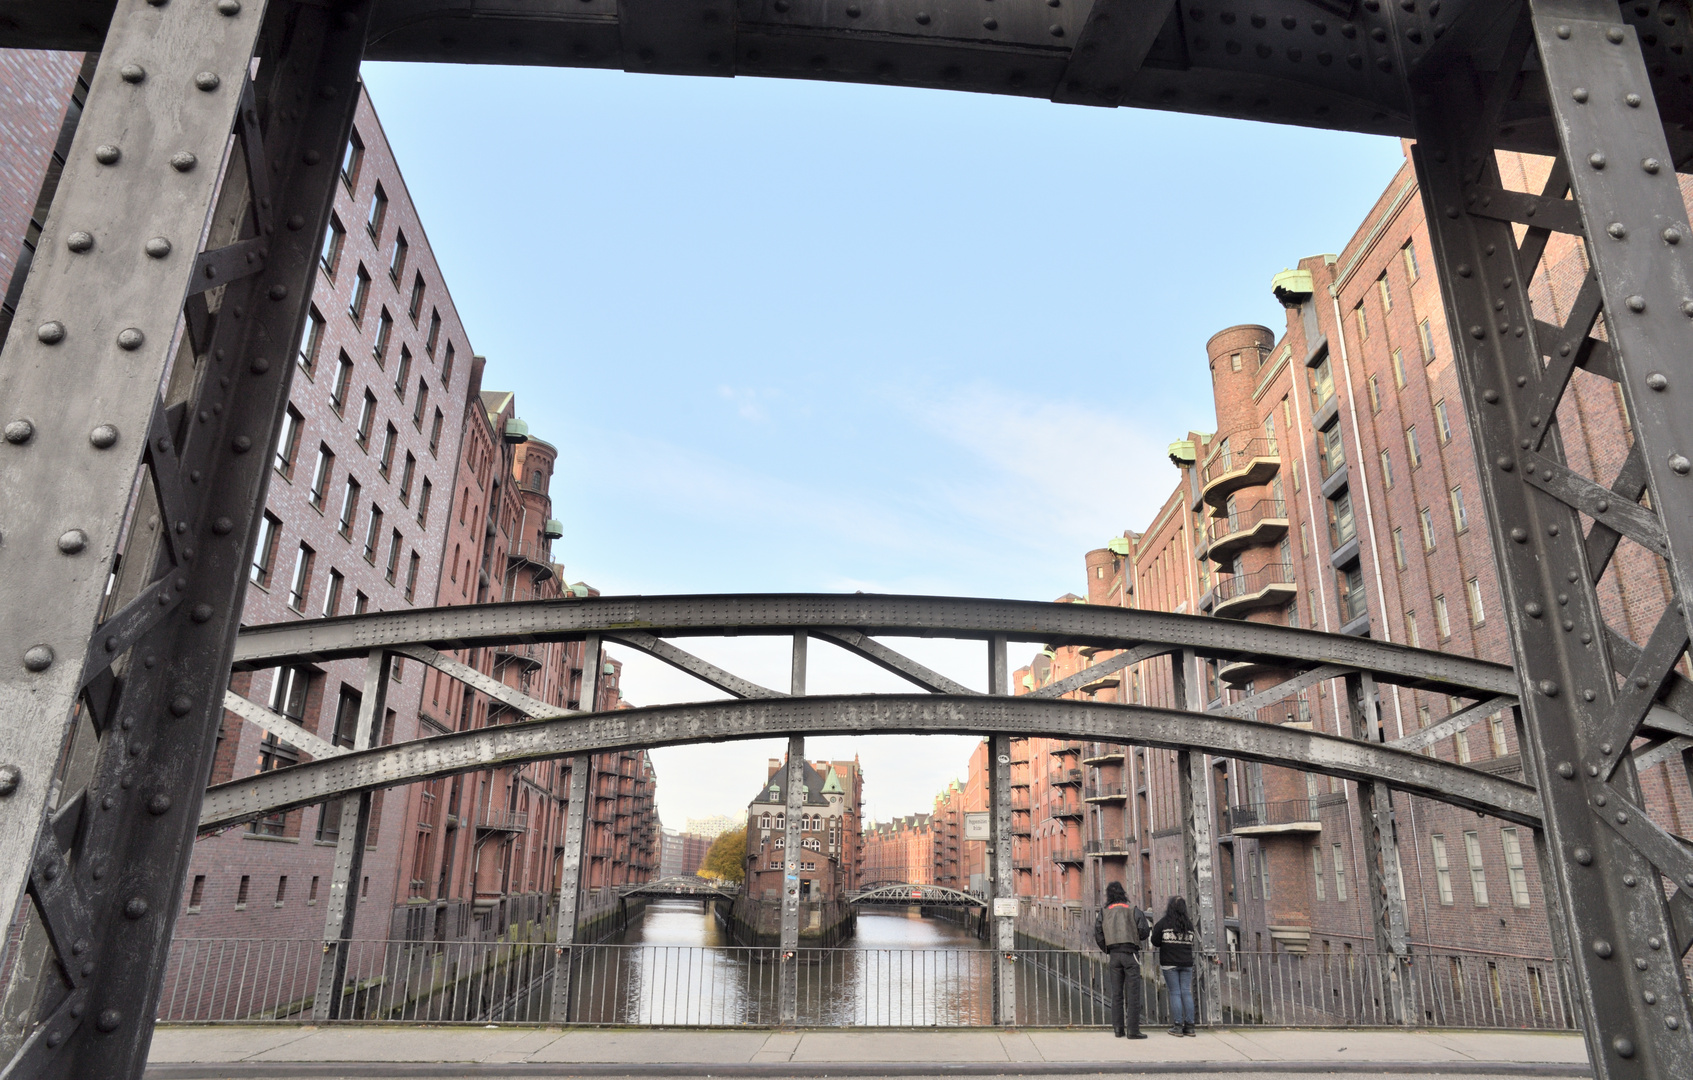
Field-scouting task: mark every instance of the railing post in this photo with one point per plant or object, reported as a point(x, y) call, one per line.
point(1381, 854)
point(349, 850)
point(578, 821)
point(791, 851)
point(1003, 879)
point(1195, 791)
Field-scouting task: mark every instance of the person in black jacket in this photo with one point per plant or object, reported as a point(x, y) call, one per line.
point(1174, 937)
point(1118, 930)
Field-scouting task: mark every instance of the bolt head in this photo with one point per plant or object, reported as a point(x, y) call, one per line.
point(103, 437)
point(183, 161)
point(79, 241)
point(50, 333)
point(107, 154)
point(1614, 36)
point(38, 657)
point(1596, 159)
point(73, 541)
point(131, 339)
point(207, 80)
point(132, 73)
point(19, 432)
point(1656, 380)
point(1680, 464)
point(158, 247)
point(229, 7)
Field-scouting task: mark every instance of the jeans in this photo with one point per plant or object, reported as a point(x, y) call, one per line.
point(1123, 975)
point(1180, 982)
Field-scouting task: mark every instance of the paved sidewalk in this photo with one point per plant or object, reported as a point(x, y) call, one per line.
point(183, 1052)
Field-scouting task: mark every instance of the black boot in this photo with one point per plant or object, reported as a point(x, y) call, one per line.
point(1187, 1029)
point(1136, 1034)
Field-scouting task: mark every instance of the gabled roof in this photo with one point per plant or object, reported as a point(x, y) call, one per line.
point(775, 790)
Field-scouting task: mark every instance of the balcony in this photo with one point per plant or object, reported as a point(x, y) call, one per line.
point(1103, 754)
point(1020, 799)
point(502, 821)
point(1108, 793)
point(1020, 826)
point(1256, 525)
point(528, 657)
point(1066, 808)
point(1070, 853)
point(531, 553)
point(1067, 747)
point(1270, 818)
point(1237, 594)
point(1111, 846)
point(1061, 777)
point(1238, 463)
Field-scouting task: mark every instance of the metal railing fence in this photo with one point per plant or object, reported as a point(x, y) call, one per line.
point(249, 981)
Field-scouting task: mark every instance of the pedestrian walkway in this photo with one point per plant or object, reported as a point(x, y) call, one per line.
point(180, 1053)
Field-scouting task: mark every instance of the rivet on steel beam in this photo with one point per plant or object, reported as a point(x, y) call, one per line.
point(1651, 165)
point(1602, 948)
point(1614, 36)
point(135, 908)
point(158, 804)
point(1520, 535)
point(19, 432)
point(38, 657)
point(1680, 464)
point(1534, 609)
point(1566, 770)
point(132, 73)
point(1548, 687)
point(202, 612)
point(1580, 94)
point(1632, 100)
point(229, 7)
point(207, 80)
point(987, 24)
point(183, 161)
point(1596, 159)
point(1505, 464)
point(1583, 856)
point(1564, 32)
point(922, 18)
point(1055, 30)
point(109, 1020)
point(1687, 307)
point(1672, 1022)
point(279, 292)
point(50, 333)
point(1587, 695)
point(1636, 304)
point(107, 155)
point(10, 777)
point(1623, 1046)
point(1617, 230)
point(1478, 332)
point(241, 444)
point(158, 247)
point(1603, 505)
point(1656, 380)
point(1551, 530)
point(854, 11)
point(1601, 799)
point(296, 223)
point(1672, 235)
point(222, 526)
point(1622, 818)
point(1630, 881)
point(131, 339)
point(258, 365)
point(79, 241)
point(73, 541)
point(181, 705)
point(1490, 395)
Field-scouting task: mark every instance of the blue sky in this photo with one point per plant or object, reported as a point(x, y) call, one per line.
point(814, 337)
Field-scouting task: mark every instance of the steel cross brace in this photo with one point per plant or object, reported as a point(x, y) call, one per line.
point(1194, 789)
point(1003, 883)
point(576, 829)
point(792, 852)
point(1609, 861)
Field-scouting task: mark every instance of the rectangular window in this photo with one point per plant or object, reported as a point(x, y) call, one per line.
point(1460, 517)
point(349, 508)
point(423, 502)
point(1472, 591)
point(288, 442)
point(1331, 450)
point(1442, 868)
point(1321, 379)
point(1386, 293)
point(411, 575)
point(1387, 469)
point(1496, 734)
point(1375, 393)
point(1442, 422)
point(1478, 875)
point(414, 306)
point(1461, 748)
point(1426, 336)
point(434, 335)
point(420, 404)
point(1425, 521)
point(351, 159)
point(397, 259)
point(1399, 548)
point(384, 331)
point(1350, 585)
point(332, 595)
point(1412, 638)
point(435, 432)
point(373, 535)
point(281, 889)
point(389, 438)
point(197, 894)
point(1339, 873)
point(1399, 368)
point(241, 892)
point(393, 567)
point(1409, 251)
point(343, 376)
point(1317, 869)
point(320, 475)
point(361, 295)
point(406, 474)
point(361, 603)
point(1514, 867)
point(311, 341)
point(1442, 626)
point(367, 419)
point(447, 366)
point(402, 374)
point(264, 554)
point(378, 212)
point(1363, 322)
point(333, 240)
point(302, 580)
point(1264, 874)
point(1423, 717)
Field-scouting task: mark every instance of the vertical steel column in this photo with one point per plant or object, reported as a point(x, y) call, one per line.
point(1586, 690)
point(576, 833)
point(1004, 870)
point(1386, 883)
point(343, 902)
point(1194, 786)
point(119, 255)
point(791, 850)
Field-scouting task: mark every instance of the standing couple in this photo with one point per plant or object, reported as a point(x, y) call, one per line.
point(1118, 931)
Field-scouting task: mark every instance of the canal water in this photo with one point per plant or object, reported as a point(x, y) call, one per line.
point(676, 965)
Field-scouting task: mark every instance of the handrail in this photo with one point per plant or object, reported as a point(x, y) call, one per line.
point(1230, 453)
point(1244, 520)
point(1232, 586)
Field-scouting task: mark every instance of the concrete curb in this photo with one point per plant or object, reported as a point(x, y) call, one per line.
point(278, 1070)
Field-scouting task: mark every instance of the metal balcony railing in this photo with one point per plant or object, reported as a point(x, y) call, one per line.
point(1352, 606)
point(1269, 814)
point(1103, 792)
point(1111, 845)
point(1068, 746)
point(1064, 776)
point(1233, 586)
point(502, 820)
point(1245, 518)
point(1069, 853)
point(1233, 453)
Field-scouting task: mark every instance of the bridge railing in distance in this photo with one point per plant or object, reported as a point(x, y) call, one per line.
point(258, 981)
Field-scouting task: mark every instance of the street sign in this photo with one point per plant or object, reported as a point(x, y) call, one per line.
point(976, 825)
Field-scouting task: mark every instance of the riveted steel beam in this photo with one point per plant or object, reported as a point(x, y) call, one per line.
point(576, 828)
point(274, 723)
point(1094, 672)
point(686, 661)
point(1002, 876)
point(1194, 792)
point(1103, 627)
point(792, 851)
point(919, 714)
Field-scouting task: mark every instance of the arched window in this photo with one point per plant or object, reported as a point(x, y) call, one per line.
point(764, 822)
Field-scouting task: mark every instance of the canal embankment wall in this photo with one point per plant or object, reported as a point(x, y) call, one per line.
point(823, 924)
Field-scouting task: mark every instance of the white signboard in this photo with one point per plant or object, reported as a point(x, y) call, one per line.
point(1005, 907)
point(976, 825)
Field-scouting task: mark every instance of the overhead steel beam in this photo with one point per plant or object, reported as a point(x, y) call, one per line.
point(274, 723)
point(919, 714)
point(533, 708)
point(682, 660)
point(1461, 720)
point(317, 640)
point(1111, 50)
point(890, 660)
point(1095, 672)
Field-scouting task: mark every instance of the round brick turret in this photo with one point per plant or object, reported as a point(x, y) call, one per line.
point(1237, 356)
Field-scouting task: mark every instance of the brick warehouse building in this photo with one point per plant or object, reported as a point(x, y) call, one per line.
point(1339, 492)
point(397, 483)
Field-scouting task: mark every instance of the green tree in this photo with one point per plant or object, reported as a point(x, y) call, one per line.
point(727, 859)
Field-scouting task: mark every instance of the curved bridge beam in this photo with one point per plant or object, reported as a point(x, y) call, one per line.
point(916, 894)
point(450, 628)
point(921, 714)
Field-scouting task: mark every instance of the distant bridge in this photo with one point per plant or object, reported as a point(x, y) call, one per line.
point(690, 886)
point(903, 893)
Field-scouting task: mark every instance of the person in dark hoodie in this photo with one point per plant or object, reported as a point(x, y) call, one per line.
point(1118, 930)
point(1174, 936)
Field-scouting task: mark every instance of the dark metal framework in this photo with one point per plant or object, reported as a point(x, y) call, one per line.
point(111, 696)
